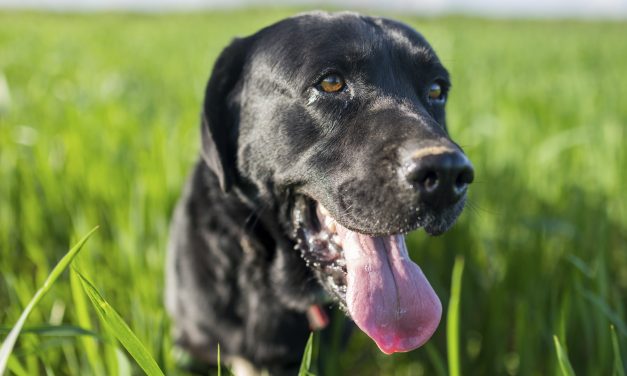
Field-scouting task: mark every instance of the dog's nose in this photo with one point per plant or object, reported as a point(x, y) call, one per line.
point(441, 178)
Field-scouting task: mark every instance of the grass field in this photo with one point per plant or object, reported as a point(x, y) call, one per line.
point(99, 126)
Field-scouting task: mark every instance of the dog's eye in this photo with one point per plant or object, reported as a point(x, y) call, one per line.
point(437, 93)
point(332, 83)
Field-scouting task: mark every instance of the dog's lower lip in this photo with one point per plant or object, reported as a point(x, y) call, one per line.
point(362, 231)
point(320, 246)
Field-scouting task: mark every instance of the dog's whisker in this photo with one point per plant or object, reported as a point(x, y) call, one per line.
point(473, 209)
point(256, 214)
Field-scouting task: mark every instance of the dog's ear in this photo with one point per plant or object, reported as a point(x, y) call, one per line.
point(219, 126)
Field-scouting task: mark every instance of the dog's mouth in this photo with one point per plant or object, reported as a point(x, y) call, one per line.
point(372, 277)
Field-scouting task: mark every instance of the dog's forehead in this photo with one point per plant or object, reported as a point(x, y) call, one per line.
point(316, 39)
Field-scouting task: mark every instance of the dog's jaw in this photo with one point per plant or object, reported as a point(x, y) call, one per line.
point(372, 279)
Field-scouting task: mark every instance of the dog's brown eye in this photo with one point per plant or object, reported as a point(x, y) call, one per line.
point(435, 92)
point(332, 83)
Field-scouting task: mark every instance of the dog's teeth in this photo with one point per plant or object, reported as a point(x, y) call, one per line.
point(337, 240)
point(334, 248)
point(329, 223)
point(323, 210)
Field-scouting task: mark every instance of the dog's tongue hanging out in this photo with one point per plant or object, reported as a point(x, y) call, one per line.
point(387, 294)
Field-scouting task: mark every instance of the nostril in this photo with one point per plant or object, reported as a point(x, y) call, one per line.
point(430, 181)
point(465, 177)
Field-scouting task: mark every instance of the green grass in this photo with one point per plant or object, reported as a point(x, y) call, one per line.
point(101, 128)
point(452, 319)
point(9, 342)
point(119, 329)
point(305, 364)
point(562, 358)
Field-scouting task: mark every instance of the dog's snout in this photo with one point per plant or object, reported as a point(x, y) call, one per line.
point(441, 178)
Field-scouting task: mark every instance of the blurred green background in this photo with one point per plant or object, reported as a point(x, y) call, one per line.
point(99, 126)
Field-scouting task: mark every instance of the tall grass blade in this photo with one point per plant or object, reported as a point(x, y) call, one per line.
point(602, 305)
point(9, 342)
point(452, 318)
point(119, 329)
point(619, 368)
point(306, 362)
point(15, 367)
point(64, 330)
point(219, 362)
point(82, 315)
point(562, 358)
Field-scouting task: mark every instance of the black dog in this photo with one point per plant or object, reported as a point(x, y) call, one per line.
point(323, 143)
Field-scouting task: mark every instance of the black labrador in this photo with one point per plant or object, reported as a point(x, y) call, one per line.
point(323, 143)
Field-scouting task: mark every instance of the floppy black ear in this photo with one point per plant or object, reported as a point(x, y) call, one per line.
point(219, 126)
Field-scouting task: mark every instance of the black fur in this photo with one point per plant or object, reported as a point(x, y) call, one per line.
point(270, 137)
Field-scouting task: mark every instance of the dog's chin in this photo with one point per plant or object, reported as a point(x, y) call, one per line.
point(437, 223)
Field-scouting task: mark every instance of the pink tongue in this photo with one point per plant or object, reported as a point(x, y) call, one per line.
point(387, 295)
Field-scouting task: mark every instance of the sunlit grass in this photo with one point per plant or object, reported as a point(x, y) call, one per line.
point(452, 319)
point(9, 342)
point(98, 126)
point(119, 329)
point(562, 358)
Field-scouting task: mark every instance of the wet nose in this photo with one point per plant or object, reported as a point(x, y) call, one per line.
point(441, 178)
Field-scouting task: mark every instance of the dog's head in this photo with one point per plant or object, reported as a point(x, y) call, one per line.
point(342, 116)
